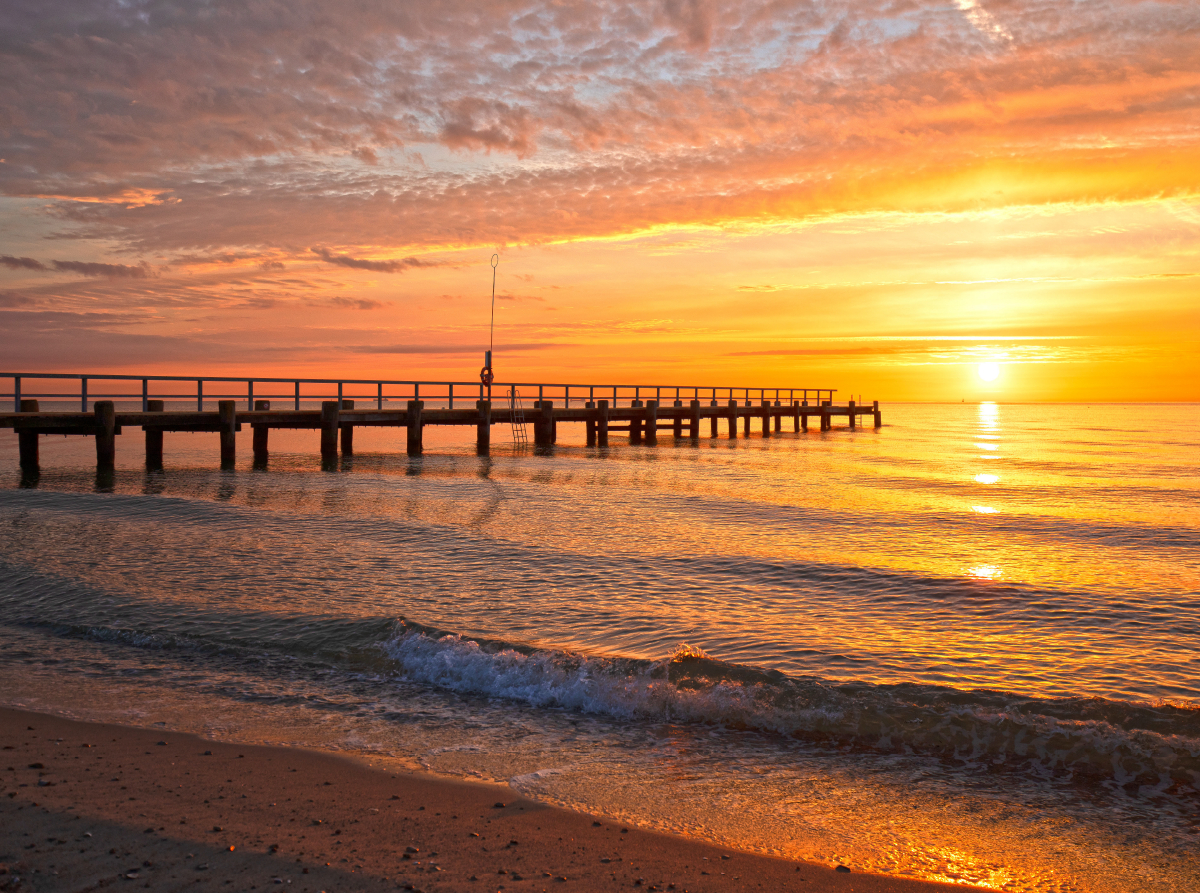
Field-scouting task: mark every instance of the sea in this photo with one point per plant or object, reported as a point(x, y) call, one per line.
point(964, 646)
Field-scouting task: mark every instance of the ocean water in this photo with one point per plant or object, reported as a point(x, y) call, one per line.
point(963, 647)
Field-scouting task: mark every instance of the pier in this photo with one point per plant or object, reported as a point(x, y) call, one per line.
point(108, 404)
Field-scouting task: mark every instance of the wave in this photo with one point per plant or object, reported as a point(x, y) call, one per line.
point(1127, 743)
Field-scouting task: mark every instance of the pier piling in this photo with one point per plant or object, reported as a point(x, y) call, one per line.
point(154, 437)
point(483, 428)
point(347, 431)
point(766, 418)
point(651, 422)
point(414, 426)
point(733, 419)
point(878, 415)
point(106, 434)
point(694, 420)
point(260, 435)
point(714, 420)
point(635, 424)
point(778, 417)
point(227, 414)
point(678, 421)
point(329, 430)
point(27, 441)
point(602, 423)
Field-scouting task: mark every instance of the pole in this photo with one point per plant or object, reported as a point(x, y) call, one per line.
point(492, 328)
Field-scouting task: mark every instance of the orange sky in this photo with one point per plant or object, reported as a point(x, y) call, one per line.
point(870, 196)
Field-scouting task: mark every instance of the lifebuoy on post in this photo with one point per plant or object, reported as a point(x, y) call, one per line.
point(485, 375)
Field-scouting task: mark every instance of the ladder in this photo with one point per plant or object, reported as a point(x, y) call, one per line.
point(517, 417)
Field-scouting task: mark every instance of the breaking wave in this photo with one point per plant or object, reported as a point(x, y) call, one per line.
point(1126, 743)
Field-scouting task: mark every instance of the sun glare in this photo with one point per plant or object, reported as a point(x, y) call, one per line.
point(989, 371)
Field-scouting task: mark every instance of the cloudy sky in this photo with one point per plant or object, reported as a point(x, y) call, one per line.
point(873, 196)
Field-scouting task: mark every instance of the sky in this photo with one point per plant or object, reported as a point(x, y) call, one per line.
point(885, 198)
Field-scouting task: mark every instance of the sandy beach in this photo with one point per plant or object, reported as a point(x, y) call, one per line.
point(89, 806)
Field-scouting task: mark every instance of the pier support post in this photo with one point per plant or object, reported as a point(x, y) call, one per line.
point(106, 434)
point(678, 427)
point(694, 428)
point(733, 419)
point(329, 430)
point(651, 422)
point(602, 423)
point(826, 419)
point(635, 423)
point(714, 420)
point(154, 437)
point(853, 416)
point(347, 432)
point(591, 424)
point(747, 418)
point(795, 417)
point(804, 416)
point(261, 433)
point(227, 414)
point(483, 428)
point(543, 423)
point(766, 418)
point(414, 426)
point(878, 415)
point(778, 417)
point(27, 441)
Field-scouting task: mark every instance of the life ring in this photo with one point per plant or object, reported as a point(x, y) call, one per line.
point(485, 375)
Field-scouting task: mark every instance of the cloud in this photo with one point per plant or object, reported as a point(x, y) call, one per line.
point(16, 299)
point(355, 303)
point(375, 266)
point(451, 349)
point(84, 268)
point(113, 271)
point(21, 263)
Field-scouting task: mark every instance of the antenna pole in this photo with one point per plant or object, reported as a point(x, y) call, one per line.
point(485, 374)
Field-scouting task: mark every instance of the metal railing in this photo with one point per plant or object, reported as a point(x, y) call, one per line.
point(298, 391)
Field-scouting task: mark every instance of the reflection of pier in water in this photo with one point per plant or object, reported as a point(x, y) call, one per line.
point(412, 405)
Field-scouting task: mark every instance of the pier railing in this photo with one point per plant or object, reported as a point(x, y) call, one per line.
point(140, 389)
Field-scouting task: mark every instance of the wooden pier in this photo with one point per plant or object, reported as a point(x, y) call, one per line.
point(729, 412)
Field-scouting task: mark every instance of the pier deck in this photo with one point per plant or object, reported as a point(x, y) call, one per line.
point(737, 415)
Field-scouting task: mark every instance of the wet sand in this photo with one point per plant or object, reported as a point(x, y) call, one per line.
point(88, 806)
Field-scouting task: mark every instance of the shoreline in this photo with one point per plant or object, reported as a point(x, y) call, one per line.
point(114, 804)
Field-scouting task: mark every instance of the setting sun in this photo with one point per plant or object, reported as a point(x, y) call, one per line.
point(989, 371)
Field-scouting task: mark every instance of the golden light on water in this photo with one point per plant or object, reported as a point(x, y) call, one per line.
point(989, 371)
point(986, 478)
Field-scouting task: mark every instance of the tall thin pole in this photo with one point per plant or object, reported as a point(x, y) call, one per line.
point(492, 329)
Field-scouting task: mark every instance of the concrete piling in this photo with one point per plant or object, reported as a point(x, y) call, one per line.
point(414, 444)
point(651, 422)
point(27, 440)
point(227, 417)
point(106, 434)
point(483, 428)
point(154, 437)
point(347, 432)
point(602, 423)
point(260, 435)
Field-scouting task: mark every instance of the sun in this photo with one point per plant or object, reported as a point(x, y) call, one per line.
point(989, 371)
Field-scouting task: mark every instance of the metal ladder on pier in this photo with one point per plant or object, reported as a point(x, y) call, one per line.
point(517, 417)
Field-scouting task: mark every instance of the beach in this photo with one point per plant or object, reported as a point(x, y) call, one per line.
point(88, 805)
